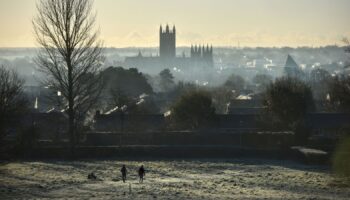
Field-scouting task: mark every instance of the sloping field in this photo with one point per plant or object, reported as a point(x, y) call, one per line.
point(201, 179)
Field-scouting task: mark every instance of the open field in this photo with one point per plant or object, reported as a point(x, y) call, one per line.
point(198, 179)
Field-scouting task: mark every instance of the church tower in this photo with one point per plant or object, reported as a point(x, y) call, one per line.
point(167, 43)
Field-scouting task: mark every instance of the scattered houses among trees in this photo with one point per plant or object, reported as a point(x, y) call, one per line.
point(127, 90)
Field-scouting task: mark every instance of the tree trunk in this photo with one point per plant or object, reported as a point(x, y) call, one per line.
point(71, 128)
point(71, 114)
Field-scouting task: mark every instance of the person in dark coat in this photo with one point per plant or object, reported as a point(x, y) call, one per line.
point(141, 173)
point(123, 171)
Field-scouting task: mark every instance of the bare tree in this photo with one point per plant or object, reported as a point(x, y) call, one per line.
point(12, 100)
point(71, 55)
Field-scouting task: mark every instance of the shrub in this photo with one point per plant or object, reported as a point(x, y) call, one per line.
point(341, 158)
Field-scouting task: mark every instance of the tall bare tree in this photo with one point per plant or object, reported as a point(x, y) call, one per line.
point(12, 100)
point(71, 55)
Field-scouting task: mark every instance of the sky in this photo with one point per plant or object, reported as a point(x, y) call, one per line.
point(252, 23)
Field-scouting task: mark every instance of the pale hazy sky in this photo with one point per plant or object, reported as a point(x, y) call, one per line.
point(218, 22)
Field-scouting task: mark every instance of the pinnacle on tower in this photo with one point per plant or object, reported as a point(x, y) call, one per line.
point(174, 29)
point(167, 28)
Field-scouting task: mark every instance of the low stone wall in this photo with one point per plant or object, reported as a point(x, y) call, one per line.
point(204, 144)
point(159, 152)
point(265, 140)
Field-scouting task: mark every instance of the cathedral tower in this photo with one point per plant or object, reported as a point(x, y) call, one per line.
point(167, 43)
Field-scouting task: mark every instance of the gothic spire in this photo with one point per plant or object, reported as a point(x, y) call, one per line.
point(167, 28)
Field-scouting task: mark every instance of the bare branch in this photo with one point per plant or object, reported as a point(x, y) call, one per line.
point(12, 100)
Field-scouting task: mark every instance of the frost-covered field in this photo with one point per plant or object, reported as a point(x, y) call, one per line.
point(202, 179)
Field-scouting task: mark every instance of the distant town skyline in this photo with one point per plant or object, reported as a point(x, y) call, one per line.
point(251, 23)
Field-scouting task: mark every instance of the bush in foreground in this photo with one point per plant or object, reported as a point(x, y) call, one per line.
point(341, 159)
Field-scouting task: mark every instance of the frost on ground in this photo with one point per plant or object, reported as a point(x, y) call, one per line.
point(201, 179)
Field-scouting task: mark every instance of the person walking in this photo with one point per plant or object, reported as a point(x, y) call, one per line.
point(141, 173)
point(123, 171)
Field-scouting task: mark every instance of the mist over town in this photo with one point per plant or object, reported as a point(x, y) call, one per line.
point(174, 99)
